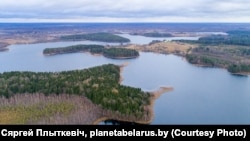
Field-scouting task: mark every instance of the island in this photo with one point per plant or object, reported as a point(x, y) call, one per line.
point(154, 34)
point(114, 53)
point(73, 49)
point(102, 37)
point(157, 34)
point(65, 97)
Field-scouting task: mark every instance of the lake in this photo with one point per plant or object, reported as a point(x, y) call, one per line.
point(200, 96)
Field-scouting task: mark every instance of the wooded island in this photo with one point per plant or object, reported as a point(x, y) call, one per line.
point(115, 53)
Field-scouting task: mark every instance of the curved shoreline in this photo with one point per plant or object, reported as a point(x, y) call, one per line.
point(154, 95)
point(209, 66)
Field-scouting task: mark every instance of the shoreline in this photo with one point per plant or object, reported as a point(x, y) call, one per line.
point(129, 57)
point(4, 47)
point(242, 73)
point(154, 96)
point(208, 66)
point(121, 71)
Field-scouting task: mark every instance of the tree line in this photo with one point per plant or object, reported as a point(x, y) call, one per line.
point(154, 34)
point(120, 53)
point(102, 37)
point(71, 49)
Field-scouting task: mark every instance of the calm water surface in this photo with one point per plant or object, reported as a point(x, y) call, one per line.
point(200, 96)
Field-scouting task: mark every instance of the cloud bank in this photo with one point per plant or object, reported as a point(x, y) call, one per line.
point(126, 10)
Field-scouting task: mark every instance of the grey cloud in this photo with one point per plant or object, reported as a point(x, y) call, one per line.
point(123, 8)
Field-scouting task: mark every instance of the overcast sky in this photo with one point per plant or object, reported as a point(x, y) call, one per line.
point(125, 11)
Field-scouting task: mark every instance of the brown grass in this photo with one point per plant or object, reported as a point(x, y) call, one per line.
point(8, 117)
point(165, 47)
point(62, 109)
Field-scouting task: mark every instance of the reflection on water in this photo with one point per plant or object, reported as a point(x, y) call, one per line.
point(116, 122)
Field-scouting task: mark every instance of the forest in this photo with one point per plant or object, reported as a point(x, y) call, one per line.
point(120, 53)
point(94, 49)
point(102, 37)
point(235, 68)
point(99, 84)
point(234, 58)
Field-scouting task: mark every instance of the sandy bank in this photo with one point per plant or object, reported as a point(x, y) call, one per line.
point(154, 96)
point(121, 70)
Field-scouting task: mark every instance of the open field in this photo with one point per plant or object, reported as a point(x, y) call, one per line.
point(165, 47)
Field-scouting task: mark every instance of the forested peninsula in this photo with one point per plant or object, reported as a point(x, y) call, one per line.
point(102, 37)
point(98, 84)
point(231, 51)
point(115, 53)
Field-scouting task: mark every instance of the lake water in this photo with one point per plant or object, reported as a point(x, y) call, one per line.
point(200, 96)
point(146, 40)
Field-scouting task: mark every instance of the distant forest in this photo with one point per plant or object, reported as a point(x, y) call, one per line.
point(155, 34)
point(230, 51)
point(102, 37)
point(236, 37)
